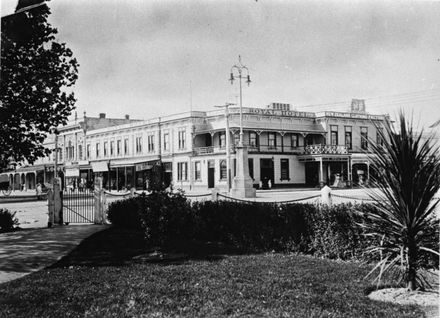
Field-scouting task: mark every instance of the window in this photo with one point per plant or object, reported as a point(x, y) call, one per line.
point(139, 144)
point(80, 152)
point(236, 139)
point(166, 141)
point(118, 147)
point(364, 138)
point(112, 148)
point(97, 150)
point(67, 153)
point(253, 141)
point(150, 143)
point(285, 169)
point(251, 167)
point(182, 136)
point(105, 148)
point(88, 151)
point(125, 146)
point(223, 170)
point(333, 135)
point(348, 140)
point(182, 171)
point(272, 142)
point(379, 136)
point(197, 171)
point(294, 141)
point(60, 150)
point(222, 140)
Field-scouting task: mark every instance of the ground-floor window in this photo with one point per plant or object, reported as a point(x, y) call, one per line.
point(223, 170)
point(182, 171)
point(251, 167)
point(285, 169)
point(197, 170)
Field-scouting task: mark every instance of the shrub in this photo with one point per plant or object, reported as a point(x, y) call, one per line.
point(8, 221)
point(165, 216)
point(125, 213)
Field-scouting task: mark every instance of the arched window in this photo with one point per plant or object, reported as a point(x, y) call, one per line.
point(223, 172)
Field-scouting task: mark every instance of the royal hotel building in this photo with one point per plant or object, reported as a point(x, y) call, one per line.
point(286, 148)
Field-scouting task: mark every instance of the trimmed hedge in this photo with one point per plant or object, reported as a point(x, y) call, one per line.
point(8, 221)
point(332, 232)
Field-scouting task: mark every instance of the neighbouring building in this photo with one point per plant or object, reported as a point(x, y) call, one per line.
point(288, 147)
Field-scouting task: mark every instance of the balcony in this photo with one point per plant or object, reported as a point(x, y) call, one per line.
point(200, 151)
point(325, 150)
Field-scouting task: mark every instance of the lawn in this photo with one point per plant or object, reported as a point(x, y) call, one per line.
point(101, 279)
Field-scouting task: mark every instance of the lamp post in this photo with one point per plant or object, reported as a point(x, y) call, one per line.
point(240, 69)
point(243, 184)
point(228, 147)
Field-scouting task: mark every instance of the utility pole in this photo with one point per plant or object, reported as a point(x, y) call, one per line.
point(228, 145)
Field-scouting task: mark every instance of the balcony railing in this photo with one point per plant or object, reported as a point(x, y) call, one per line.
point(211, 149)
point(325, 149)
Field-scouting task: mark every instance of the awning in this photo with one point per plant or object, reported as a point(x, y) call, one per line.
point(101, 166)
point(73, 172)
point(143, 166)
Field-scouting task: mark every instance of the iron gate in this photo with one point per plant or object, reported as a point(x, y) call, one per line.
point(78, 206)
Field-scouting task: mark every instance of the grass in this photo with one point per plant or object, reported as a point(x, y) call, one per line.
point(101, 279)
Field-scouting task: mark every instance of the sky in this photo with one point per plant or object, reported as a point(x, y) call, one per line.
point(156, 58)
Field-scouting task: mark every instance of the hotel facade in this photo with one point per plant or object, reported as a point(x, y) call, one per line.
point(286, 148)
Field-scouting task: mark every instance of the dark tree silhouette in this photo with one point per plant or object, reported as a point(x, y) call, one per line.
point(37, 73)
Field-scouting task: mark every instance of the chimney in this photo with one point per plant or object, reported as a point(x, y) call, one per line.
point(127, 117)
point(101, 115)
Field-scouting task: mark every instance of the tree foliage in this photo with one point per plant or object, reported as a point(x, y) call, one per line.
point(408, 175)
point(37, 73)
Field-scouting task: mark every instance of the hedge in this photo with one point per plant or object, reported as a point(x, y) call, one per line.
point(327, 231)
point(8, 221)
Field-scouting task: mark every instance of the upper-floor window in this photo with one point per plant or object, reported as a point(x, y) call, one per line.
point(197, 170)
point(80, 152)
point(105, 148)
point(88, 151)
point(222, 139)
point(126, 146)
point(182, 139)
point(272, 141)
point(379, 136)
point(166, 141)
point(112, 148)
point(182, 171)
point(97, 150)
point(348, 139)
point(364, 138)
point(253, 139)
point(118, 147)
point(150, 140)
point(333, 135)
point(139, 144)
point(294, 141)
point(60, 151)
point(236, 139)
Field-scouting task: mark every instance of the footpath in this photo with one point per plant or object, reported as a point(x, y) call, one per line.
point(26, 251)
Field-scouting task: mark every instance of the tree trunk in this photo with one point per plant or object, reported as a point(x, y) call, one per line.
point(412, 266)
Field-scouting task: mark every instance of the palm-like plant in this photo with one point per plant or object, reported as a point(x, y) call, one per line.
point(404, 225)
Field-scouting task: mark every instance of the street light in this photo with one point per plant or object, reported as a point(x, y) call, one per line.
point(228, 155)
point(240, 68)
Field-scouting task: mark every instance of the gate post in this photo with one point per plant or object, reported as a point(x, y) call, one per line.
point(99, 201)
point(55, 204)
point(58, 204)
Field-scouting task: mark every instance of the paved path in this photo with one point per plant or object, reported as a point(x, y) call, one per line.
point(27, 251)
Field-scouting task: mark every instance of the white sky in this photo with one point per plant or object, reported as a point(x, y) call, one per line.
point(139, 57)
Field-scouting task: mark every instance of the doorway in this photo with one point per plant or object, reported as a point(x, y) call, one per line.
point(267, 173)
point(211, 173)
